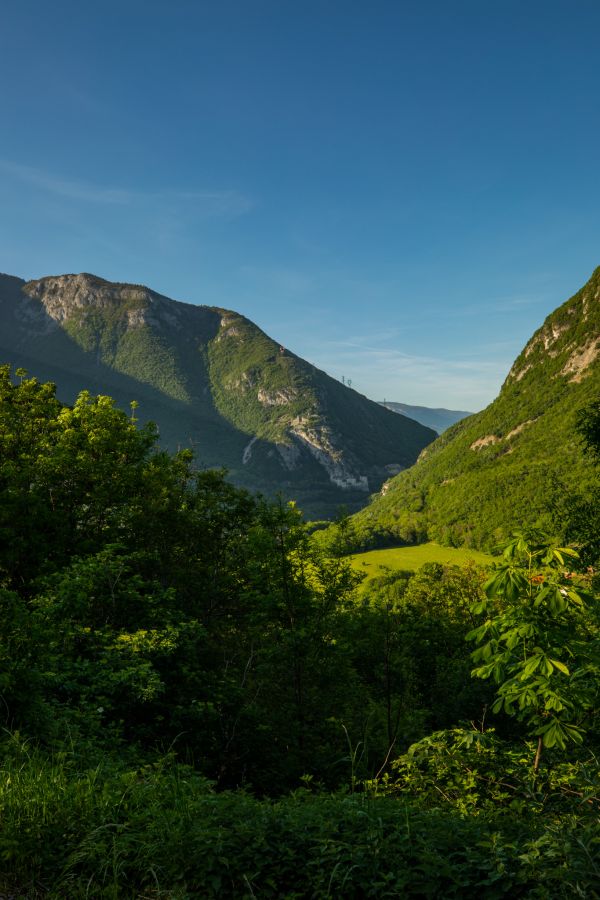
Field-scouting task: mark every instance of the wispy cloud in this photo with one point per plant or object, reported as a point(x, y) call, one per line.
point(508, 304)
point(460, 382)
point(203, 203)
point(64, 187)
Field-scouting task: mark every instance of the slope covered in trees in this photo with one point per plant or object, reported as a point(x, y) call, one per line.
point(508, 466)
point(197, 702)
point(212, 381)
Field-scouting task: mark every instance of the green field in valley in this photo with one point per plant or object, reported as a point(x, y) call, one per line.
point(376, 562)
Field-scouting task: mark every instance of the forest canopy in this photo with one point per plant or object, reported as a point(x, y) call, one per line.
point(196, 690)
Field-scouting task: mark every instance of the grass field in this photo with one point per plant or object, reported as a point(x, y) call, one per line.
point(376, 562)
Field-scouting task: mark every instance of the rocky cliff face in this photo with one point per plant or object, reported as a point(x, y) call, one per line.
point(211, 379)
point(568, 343)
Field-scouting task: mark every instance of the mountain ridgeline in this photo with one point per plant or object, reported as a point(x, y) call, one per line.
point(516, 463)
point(212, 381)
point(439, 419)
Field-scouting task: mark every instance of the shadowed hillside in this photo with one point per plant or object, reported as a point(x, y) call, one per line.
point(211, 380)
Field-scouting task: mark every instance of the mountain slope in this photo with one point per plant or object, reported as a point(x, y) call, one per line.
point(212, 380)
point(438, 419)
point(504, 467)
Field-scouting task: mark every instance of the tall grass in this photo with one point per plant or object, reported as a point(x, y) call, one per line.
point(161, 831)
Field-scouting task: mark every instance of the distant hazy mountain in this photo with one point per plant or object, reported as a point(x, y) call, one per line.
point(212, 380)
point(503, 468)
point(438, 419)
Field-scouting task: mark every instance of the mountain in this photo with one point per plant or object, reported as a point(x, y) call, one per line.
point(438, 419)
point(505, 467)
point(211, 380)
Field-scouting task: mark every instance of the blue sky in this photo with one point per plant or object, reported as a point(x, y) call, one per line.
point(398, 191)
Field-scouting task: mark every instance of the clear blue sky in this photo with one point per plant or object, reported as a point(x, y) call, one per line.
point(398, 191)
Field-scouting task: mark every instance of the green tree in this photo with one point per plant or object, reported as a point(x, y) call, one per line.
point(405, 635)
point(588, 426)
point(539, 642)
point(70, 477)
point(580, 514)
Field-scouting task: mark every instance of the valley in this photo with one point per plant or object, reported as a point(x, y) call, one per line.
point(300, 451)
point(222, 700)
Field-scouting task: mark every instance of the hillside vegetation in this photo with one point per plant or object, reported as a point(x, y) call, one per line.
point(515, 463)
point(197, 702)
point(213, 382)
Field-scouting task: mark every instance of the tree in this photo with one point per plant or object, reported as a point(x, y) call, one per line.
point(588, 426)
point(581, 513)
point(539, 642)
point(69, 477)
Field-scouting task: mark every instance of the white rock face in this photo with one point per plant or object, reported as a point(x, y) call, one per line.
point(519, 374)
point(581, 359)
point(491, 439)
point(518, 429)
point(58, 298)
point(277, 398)
point(319, 446)
point(486, 441)
point(228, 328)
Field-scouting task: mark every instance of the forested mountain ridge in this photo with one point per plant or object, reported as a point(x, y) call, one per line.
point(507, 466)
point(437, 418)
point(213, 381)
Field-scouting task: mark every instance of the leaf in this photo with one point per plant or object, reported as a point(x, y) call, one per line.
point(477, 633)
point(531, 666)
point(574, 733)
point(479, 607)
point(568, 551)
point(549, 736)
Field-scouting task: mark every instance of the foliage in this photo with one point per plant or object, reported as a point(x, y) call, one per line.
point(539, 642)
point(405, 636)
point(177, 656)
point(475, 771)
point(160, 830)
point(588, 426)
point(152, 603)
point(580, 512)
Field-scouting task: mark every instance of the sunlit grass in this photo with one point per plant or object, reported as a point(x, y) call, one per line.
point(376, 562)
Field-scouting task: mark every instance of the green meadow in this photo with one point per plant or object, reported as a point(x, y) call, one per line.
point(377, 562)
